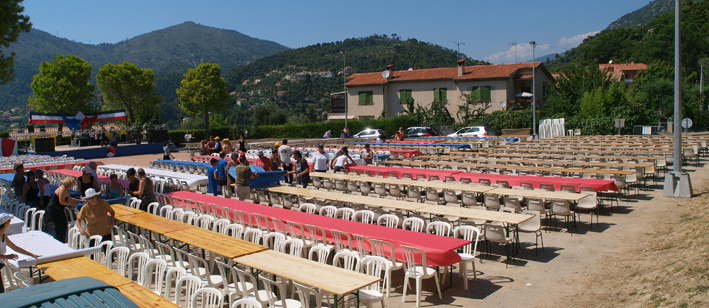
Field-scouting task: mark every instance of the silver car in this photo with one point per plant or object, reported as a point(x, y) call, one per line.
point(370, 133)
point(473, 131)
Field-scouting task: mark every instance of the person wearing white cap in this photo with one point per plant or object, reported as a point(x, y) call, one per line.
point(95, 212)
point(4, 242)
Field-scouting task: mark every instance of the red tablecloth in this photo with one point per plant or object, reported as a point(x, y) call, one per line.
point(415, 141)
point(440, 251)
point(514, 180)
point(101, 178)
point(442, 174)
point(48, 167)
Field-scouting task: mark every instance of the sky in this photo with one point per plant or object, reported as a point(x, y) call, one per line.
point(486, 30)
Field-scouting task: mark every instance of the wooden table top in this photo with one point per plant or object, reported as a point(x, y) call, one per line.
point(328, 278)
point(415, 206)
point(218, 243)
point(559, 195)
point(542, 161)
point(550, 155)
point(122, 210)
point(83, 266)
point(224, 245)
point(508, 218)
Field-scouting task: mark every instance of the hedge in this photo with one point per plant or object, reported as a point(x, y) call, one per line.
point(316, 130)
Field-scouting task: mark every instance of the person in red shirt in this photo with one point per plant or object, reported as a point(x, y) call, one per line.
point(264, 162)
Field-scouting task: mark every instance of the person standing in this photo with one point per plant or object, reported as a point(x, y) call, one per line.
point(18, 181)
point(217, 145)
point(55, 209)
point(328, 134)
point(30, 191)
point(345, 133)
point(226, 146)
point(4, 242)
point(285, 152)
point(145, 190)
point(166, 155)
point(213, 178)
point(275, 157)
point(243, 176)
point(399, 134)
point(133, 181)
point(368, 155)
point(341, 161)
point(188, 137)
point(302, 170)
point(242, 143)
point(264, 162)
point(221, 168)
point(86, 181)
point(45, 191)
point(320, 159)
point(94, 212)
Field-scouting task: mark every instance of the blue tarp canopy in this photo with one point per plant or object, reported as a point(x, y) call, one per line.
point(264, 178)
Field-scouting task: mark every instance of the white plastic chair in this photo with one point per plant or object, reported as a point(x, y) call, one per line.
point(185, 288)
point(377, 267)
point(468, 233)
point(419, 273)
point(154, 275)
point(246, 303)
point(207, 297)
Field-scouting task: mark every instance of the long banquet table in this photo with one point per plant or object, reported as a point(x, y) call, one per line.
point(192, 180)
point(440, 251)
point(56, 166)
point(513, 180)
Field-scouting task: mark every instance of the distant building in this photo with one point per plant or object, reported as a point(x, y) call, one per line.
point(280, 93)
point(623, 71)
point(500, 87)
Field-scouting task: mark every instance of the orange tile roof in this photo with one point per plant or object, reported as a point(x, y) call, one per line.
point(624, 66)
point(499, 71)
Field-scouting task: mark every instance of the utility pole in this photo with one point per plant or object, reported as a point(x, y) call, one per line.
point(458, 43)
point(514, 43)
point(344, 81)
point(534, 93)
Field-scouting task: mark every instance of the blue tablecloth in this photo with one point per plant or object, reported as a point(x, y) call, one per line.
point(264, 178)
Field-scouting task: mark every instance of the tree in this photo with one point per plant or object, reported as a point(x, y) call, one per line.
point(131, 88)
point(12, 22)
point(62, 86)
point(203, 91)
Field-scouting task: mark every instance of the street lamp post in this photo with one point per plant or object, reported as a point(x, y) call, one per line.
point(534, 92)
point(344, 81)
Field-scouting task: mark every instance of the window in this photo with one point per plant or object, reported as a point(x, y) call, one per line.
point(440, 95)
point(405, 96)
point(481, 94)
point(366, 97)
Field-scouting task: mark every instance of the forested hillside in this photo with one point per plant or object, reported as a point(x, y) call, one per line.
point(167, 51)
point(644, 14)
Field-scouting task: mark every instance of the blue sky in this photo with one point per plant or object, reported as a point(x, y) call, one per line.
point(487, 28)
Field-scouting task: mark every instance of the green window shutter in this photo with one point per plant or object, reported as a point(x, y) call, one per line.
point(405, 96)
point(366, 97)
point(370, 98)
point(362, 97)
point(436, 95)
point(485, 94)
point(475, 93)
point(443, 95)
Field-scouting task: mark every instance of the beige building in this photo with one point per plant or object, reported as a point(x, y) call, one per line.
point(371, 95)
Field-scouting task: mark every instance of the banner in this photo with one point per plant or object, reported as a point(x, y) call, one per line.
point(77, 121)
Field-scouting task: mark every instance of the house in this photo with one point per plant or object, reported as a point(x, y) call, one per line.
point(370, 95)
point(623, 71)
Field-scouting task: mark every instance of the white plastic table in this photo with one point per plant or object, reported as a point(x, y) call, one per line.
point(46, 246)
point(17, 225)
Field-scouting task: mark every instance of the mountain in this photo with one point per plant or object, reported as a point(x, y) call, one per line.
point(168, 52)
point(643, 15)
point(313, 72)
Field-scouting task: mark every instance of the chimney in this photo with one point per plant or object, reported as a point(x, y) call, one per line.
point(461, 67)
point(390, 69)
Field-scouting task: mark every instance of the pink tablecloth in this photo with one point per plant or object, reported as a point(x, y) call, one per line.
point(101, 178)
point(48, 167)
point(416, 141)
point(370, 170)
point(440, 251)
point(514, 180)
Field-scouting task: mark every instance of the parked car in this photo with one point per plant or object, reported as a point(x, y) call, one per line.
point(418, 131)
point(370, 133)
point(473, 131)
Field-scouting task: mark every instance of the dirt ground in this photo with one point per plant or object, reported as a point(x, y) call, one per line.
point(651, 251)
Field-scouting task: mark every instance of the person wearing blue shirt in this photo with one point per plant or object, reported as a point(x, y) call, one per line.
point(213, 178)
point(221, 168)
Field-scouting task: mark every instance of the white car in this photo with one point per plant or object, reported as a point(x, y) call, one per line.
point(473, 131)
point(370, 133)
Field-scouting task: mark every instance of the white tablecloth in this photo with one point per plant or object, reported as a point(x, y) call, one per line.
point(46, 246)
point(16, 225)
point(193, 180)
